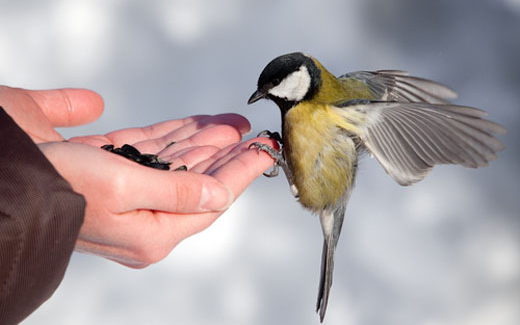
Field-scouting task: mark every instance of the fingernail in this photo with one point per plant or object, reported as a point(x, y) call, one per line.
point(215, 197)
point(246, 131)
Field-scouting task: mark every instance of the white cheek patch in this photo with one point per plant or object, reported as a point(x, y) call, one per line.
point(294, 87)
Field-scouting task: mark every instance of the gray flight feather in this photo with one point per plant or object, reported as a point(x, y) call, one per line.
point(408, 139)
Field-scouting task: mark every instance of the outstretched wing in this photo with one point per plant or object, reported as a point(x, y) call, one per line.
point(396, 85)
point(408, 139)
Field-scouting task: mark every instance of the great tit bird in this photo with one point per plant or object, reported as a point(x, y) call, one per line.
point(405, 122)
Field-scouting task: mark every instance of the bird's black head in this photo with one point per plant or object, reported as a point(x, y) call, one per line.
point(287, 80)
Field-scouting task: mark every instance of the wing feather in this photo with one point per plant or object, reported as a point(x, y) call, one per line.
point(436, 139)
point(409, 138)
point(423, 140)
point(416, 140)
point(397, 85)
point(413, 132)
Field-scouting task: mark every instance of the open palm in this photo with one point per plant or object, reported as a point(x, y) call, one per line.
point(136, 215)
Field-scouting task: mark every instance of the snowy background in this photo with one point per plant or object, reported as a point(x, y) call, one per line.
point(445, 251)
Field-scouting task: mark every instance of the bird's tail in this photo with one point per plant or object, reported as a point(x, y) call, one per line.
point(327, 268)
point(331, 223)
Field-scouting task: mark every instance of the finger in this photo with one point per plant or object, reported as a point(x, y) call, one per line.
point(27, 114)
point(239, 168)
point(173, 131)
point(229, 153)
point(219, 136)
point(235, 120)
point(69, 107)
point(134, 135)
point(190, 157)
point(93, 140)
point(234, 123)
point(173, 191)
point(203, 166)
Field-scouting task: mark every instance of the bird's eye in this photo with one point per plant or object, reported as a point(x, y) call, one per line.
point(276, 82)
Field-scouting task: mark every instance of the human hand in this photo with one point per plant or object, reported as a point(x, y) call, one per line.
point(136, 215)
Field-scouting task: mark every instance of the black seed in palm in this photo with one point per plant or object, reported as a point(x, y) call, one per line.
point(133, 154)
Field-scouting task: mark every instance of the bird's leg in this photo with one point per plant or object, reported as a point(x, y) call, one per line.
point(279, 161)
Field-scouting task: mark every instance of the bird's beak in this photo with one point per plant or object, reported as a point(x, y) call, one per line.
point(255, 97)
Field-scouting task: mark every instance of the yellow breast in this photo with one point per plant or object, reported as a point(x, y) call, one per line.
point(320, 153)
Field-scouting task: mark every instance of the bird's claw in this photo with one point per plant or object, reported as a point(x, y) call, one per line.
point(271, 135)
point(276, 155)
point(274, 172)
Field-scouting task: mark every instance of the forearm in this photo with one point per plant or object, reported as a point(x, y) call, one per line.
point(40, 217)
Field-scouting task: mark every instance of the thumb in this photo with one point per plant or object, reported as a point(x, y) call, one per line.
point(68, 106)
point(175, 191)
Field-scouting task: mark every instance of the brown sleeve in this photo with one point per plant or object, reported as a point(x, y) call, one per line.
point(40, 218)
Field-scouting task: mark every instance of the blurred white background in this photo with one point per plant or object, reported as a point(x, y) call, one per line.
point(445, 251)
